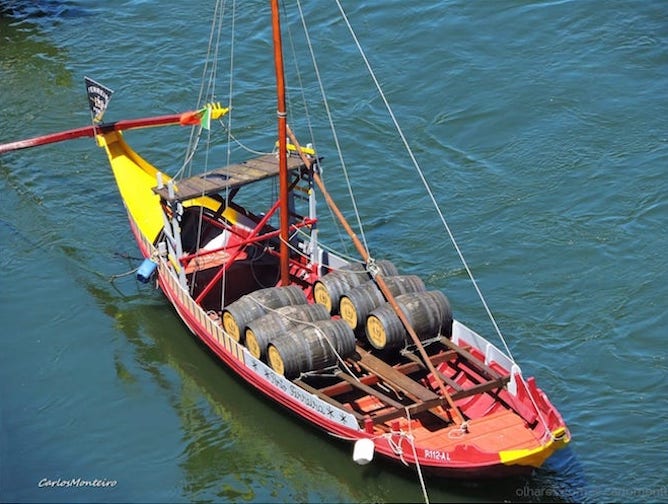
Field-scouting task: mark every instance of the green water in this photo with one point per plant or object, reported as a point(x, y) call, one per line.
point(543, 130)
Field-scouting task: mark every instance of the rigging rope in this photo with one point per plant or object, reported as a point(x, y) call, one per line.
point(331, 126)
point(420, 173)
point(424, 180)
point(207, 89)
point(411, 439)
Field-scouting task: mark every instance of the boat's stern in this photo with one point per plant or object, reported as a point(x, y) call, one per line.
point(536, 457)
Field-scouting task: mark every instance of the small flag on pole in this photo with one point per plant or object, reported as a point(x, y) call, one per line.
point(201, 117)
point(98, 98)
point(206, 118)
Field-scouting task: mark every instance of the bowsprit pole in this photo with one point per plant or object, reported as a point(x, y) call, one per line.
point(86, 131)
point(99, 96)
point(190, 118)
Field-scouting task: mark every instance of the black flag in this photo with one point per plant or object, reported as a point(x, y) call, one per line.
point(98, 98)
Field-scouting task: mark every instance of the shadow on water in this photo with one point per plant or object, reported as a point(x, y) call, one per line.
point(230, 450)
point(50, 9)
point(238, 446)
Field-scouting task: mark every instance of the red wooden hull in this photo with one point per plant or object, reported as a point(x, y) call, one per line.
point(447, 457)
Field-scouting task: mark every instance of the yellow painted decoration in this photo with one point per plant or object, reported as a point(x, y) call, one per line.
point(293, 148)
point(136, 179)
point(217, 110)
point(536, 456)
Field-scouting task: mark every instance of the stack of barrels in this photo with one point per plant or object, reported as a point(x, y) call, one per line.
point(279, 326)
point(237, 315)
point(359, 301)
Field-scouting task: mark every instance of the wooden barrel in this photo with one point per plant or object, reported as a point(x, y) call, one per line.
point(429, 314)
point(237, 315)
point(356, 304)
point(311, 348)
point(329, 289)
point(262, 330)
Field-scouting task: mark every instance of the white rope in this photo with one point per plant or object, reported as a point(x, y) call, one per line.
point(332, 128)
point(411, 439)
point(207, 86)
point(396, 447)
point(398, 450)
point(245, 147)
point(342, 255)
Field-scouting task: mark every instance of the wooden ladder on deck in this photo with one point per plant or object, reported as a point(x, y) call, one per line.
point(397, 378)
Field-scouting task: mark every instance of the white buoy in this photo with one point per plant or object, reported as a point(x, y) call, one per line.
point(363, 451)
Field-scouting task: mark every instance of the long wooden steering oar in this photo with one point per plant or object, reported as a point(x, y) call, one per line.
point(190, 118)
point(380, 281)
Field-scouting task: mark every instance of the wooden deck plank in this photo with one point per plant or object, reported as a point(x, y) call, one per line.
point(413, 409)
point(371, 391)
point(228, 177)
point(471, 359)
point(446, 379)
point(480, 388)
point(370, 379)
point(394, 377)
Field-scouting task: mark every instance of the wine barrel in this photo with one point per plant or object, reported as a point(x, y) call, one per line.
point(310, 348)
point(429, 314)
point(237, 315)
point(329, 289)
point(262, 330)
point(356, 304)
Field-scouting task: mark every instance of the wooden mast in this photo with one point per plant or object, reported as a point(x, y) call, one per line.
point(282, 144)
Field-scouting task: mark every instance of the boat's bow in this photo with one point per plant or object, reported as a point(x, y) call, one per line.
point(135, 178)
